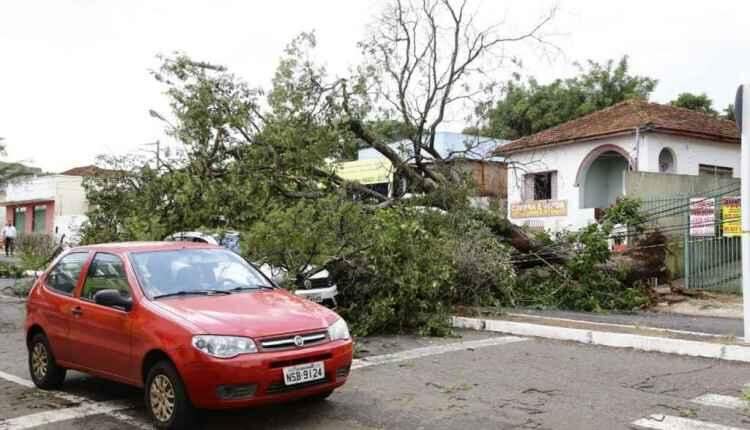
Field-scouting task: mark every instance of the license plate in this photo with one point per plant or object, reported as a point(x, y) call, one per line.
point(304, 373)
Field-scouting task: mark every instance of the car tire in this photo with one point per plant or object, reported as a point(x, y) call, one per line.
point(166, 398)
point(45, 372)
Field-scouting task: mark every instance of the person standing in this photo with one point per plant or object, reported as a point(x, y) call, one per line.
point(9, 236)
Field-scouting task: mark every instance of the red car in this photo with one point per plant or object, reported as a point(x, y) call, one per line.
point(194, 324)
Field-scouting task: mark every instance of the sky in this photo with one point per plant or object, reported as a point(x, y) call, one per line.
point(75, 82)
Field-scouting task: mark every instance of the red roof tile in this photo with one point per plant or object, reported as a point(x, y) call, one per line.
point(86, 171)
point(624, 117)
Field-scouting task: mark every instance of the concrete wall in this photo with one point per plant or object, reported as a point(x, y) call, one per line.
point(649, 184)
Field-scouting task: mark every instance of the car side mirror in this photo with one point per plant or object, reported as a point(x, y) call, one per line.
point(113, 298)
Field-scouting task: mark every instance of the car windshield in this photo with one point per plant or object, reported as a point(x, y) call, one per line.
point(195, 271)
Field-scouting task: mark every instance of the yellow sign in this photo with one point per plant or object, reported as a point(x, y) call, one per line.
point(539, 209)
point(366, 171)
point(730, 216)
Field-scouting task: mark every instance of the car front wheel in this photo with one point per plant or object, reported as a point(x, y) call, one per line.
point(43, 368)
point(166, 399)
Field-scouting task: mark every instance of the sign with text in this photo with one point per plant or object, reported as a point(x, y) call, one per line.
point(702, 216)
point(730, 217)
point(539, 209)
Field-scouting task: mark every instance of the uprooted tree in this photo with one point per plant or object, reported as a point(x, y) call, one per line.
point(265, 164)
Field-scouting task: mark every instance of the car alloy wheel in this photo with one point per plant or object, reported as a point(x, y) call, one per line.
point(162, 396)
point(39, 361)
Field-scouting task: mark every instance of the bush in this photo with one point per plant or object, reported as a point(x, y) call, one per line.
point(402, 281)
point(8, 270)
point(35, 249)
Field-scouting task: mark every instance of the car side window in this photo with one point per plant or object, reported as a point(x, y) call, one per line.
point(64, 276)
point(106, 272)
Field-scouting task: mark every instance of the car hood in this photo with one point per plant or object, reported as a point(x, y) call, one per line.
point(255, 314)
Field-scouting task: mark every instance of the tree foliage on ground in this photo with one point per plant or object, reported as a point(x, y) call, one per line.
point(527, 107)
point(697, 102)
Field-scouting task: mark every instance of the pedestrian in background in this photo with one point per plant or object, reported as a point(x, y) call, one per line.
point(9, 237)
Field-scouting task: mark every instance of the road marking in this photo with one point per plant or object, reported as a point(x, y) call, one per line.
point(86, 405)
point(16, 380)
point(668, 422)
point(433, 350)
point(720, 401)
point(64, 414)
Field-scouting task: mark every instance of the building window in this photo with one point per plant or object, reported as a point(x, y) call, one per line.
point(666, 161)
point(19, 219)
point(720, 171)
point(40, 219)
point(540, 186)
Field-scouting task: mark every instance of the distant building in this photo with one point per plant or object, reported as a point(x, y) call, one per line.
point(52, 204)
point(470, 154)
point(563, 177)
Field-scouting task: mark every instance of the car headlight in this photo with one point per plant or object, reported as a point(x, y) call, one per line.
point(224, 346)
point(339, 330)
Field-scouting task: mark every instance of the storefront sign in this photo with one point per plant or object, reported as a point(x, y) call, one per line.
point(730, 217)
point(702, 216)
point(539, 209)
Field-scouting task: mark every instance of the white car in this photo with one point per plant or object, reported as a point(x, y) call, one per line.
point(316, 287)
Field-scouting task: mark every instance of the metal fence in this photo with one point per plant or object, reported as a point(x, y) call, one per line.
point(712, 262)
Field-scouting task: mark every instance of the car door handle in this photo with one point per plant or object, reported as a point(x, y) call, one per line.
point(77, 311)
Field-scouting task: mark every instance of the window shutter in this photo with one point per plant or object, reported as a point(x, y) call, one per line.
point(553, 185)
point(528, 188)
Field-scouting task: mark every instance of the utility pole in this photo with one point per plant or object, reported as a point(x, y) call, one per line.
point(742, 109)
point(158, 153)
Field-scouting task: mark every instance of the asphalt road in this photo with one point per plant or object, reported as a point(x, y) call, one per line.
point(526, 384)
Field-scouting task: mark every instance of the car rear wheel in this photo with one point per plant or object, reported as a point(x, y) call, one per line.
point(166, 399)
point(43, 368)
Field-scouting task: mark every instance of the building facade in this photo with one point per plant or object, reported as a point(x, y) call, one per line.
point(49, 204)
point(563, 177)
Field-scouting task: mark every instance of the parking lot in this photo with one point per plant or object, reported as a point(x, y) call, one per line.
point(477, 380)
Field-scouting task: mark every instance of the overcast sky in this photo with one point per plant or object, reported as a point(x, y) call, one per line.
point(74, 78)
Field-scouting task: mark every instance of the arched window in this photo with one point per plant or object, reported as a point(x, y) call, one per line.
point(666, 161)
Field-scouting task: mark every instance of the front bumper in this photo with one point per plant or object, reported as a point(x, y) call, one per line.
point(319, 295)
point(205, 377)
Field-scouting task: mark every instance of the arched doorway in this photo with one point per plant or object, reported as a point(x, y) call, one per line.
point(600, 177)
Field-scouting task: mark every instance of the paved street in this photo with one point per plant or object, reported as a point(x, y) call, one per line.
point(488, 381)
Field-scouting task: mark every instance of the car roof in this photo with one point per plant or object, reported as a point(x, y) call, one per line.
point(144, 246)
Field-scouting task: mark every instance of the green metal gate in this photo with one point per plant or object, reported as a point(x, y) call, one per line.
point(711, 262)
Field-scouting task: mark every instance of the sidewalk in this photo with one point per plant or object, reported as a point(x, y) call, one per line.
point(671, 321)
point(708, 337)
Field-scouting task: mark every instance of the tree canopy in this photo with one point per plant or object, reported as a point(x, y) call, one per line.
point(527, 107)
point(697, 102)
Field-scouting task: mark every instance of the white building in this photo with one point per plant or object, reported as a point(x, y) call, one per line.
point(50, 204)
point(560, 177)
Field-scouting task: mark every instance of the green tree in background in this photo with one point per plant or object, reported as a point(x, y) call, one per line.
point(697, 102)
point(528, 107)
point(729, 113)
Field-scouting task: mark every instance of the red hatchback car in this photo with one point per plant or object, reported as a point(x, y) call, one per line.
point(194, 324)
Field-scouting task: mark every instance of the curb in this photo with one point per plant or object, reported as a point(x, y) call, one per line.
point(693, 348)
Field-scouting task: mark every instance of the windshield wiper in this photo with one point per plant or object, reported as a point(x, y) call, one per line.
point(198, 292)
point(250, 287)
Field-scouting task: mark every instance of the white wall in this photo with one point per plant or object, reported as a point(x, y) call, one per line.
point(689, 153)
point(37, 188)
point(565, 159)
